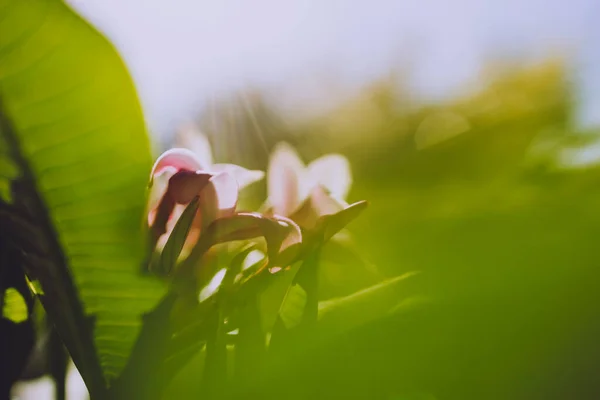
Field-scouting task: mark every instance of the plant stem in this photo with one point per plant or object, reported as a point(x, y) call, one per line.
point(57, 358)
point(307, 278)
point(250, 348)
point(214, 375)
point(141, 377)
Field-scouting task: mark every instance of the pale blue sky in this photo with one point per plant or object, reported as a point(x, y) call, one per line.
point(309, 52)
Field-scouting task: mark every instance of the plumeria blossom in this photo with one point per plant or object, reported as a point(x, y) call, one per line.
point(306, 193)
point(177, 177)
point(191, 138)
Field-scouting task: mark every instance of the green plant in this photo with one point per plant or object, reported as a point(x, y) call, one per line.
point(131, 304)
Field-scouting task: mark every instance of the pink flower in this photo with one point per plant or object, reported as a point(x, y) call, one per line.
point(177, 177)
point(191, 138)
point(306, 193)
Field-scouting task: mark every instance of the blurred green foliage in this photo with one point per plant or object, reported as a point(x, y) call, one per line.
point(476, 194)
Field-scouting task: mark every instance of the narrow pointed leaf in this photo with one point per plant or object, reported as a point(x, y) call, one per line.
point(332, 224)
point(281, 235)
point(346, 313)
point(172, 249)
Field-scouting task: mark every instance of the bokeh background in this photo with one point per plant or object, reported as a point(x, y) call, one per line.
point(310, 54)
point(472, 129)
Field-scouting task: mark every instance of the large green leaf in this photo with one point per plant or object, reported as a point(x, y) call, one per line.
point(74, 159)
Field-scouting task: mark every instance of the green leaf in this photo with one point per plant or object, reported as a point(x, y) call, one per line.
point(272, 297)
point(142, 377)
point(345, 313)
point(76, 156)
point(243, 226)
point(283, 238)
point(333, 223)
point(14, 307)
point(293, 306)
point(16, 325)
point(300, 313)
point(177, 238)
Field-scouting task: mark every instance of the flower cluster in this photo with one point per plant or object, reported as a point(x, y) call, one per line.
point(305, 205)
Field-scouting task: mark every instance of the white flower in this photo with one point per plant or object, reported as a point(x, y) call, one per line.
point(322, 186)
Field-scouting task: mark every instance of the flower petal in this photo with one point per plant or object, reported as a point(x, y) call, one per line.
point(158, 190)
point(226, 189)
point(243, 176)
point(178, 158)
point(190, 137)
point(185, 185)
point(218, 198)
point(333, 172)
point(318, 204)
point(306, 215)
point(294, 235)
point(324, 203)
point(285, 180)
